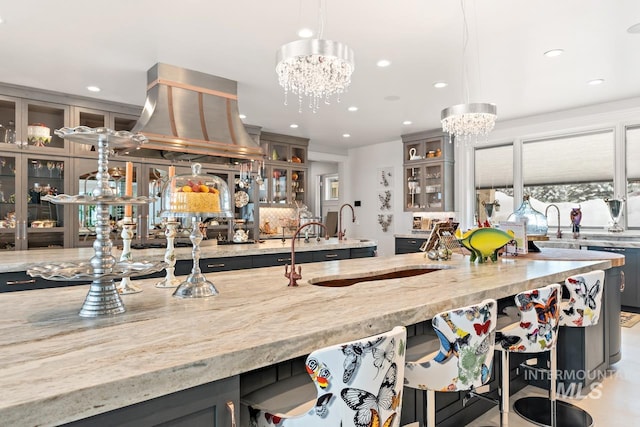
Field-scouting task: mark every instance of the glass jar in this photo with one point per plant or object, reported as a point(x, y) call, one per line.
point(205, 196)
point(535, 222)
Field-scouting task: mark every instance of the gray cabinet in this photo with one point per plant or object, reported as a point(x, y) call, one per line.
point(208, 405)
point(428, 172)
point(285, 170)
point(630, 273)
point(409, 245)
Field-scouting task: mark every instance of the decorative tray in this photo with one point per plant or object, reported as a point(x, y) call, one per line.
point(84, 270)
point(87, 135)
point(88, 199)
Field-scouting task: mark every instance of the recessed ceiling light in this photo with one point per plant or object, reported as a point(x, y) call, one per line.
point(407, 122)
point(553, 53)
point(595, 82)
point(293, 126)
point(346, 135)
point(93, 88)
point(634, 29)
point(305, 33)
point(1, 20)
point(383, 63)
point(353, 108)
point(242, 116)
point(440, 85)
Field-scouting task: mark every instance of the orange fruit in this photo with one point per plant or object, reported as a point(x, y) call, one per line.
point(204, 188)
point(187, 189)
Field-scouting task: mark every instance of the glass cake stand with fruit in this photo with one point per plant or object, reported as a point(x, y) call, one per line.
point(103, 268)
point(196, 196)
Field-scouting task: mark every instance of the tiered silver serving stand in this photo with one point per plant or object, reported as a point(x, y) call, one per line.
point(103, 298)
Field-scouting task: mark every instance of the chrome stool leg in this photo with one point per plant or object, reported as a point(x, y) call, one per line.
point(504, 388)
point(549, 411)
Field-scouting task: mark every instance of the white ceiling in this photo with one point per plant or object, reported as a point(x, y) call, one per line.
point(66, 45)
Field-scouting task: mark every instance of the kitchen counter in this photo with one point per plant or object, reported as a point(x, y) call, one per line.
point(23, 260)
point(56, 367)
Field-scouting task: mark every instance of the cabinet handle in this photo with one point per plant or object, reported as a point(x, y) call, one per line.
point(232, 409)
point(215, 265)
point(622, 282)
point(284, 259)
point(24, 230)
point(614, 249)
point(331, 256)
point(412, 242)
point(21, 282)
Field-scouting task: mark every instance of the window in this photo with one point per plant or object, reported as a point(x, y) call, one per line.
point(331, 185)
point(494, 182)
point(571, 171)
point(633, 176)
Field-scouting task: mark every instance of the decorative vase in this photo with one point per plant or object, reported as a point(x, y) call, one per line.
point(535, 222)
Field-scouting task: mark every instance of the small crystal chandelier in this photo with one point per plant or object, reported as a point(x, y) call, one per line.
point(465, 122)
point(315, 68)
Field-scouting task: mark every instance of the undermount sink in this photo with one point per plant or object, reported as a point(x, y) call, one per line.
point(409, 271)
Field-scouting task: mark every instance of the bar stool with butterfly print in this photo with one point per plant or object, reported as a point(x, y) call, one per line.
point(535, 331)
point(355, 384)
point(582, 309)
point(464, 359)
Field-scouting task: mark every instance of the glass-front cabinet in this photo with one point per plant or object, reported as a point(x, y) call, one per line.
point(85, 172)
point(428, 173)
point(40, 120)
point(93, 118)
point(27, 220)
point(283, 186)
point(285, 170)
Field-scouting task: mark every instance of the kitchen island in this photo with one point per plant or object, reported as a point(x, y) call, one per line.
point(57, 367)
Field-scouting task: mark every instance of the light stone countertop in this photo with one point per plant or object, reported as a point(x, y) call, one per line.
point(56, 367)
point(23, 260)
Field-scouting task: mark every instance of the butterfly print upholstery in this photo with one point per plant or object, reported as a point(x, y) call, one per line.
point(466, 350)
point(364, 402)
point(537, 327)
point(374, 368)
point(585, 302)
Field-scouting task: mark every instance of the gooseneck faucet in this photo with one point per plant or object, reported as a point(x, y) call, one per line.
point(559, 232)
point(342, 232)
point(292, 275)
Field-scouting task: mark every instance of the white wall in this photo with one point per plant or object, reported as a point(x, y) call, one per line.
point(361, 183)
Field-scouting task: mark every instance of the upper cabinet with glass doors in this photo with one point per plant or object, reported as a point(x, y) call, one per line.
point(285, 170)
point(93, 118)
point(428, 172)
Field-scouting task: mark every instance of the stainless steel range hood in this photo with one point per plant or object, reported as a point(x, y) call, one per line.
point(192, 115)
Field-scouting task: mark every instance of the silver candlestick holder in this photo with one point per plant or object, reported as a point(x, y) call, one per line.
point(170, 232)
point(126, 286)
point(196, 284)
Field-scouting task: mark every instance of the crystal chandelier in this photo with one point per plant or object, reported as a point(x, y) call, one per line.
point(469, 120)
point(466, 122)
point(314, 68)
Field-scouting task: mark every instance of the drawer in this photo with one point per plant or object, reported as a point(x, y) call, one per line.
point(210, 265)
point(269, 260)
point(21, 281)
point(363, 252)
point(331, 255)
point(408, 246)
